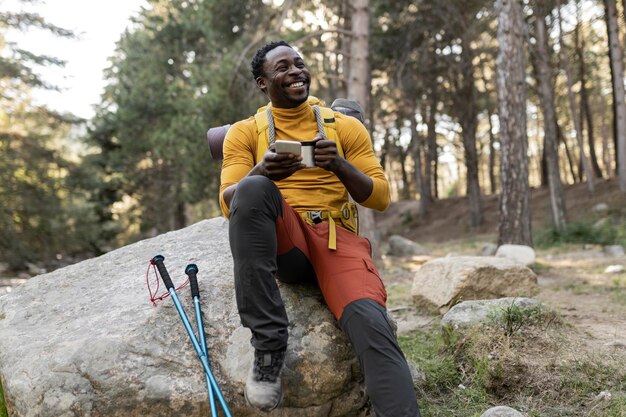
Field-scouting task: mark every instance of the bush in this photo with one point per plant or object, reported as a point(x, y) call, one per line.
point(609, 233)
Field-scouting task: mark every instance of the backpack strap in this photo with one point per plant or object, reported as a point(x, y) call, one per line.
point(325, 118)
point(266, 130)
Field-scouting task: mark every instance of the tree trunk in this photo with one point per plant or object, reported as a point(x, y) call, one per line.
point(469, 123)
point(546, 98)
point(619, 105)
point(430, 153)
point(359, 89)
point(568, 154)
point(416, 146)
point(515, 197)
point(572, 104)
point(585, 113)
point(604, 131)
point(492, 137)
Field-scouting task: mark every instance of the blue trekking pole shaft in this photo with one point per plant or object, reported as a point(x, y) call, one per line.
point(158, 261)
point(191, 270)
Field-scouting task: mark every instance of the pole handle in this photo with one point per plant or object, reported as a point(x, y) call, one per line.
point(191, 270)
point(165, 276)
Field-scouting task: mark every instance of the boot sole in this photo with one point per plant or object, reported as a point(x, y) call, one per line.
point(280, 400)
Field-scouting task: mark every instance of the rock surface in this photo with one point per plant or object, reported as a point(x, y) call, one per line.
point(614, 250)
point(522, 254)
point(401, 246)
point(471, 313)
point(502, 411)
point(443, 282)
point(86, 341)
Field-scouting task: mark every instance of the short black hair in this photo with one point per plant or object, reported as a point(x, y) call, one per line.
point(259, 58)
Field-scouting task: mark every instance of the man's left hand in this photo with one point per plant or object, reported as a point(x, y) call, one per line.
point(326, 155)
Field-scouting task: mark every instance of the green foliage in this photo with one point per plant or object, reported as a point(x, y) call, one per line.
point(512, 318)
point(608, 233)
point(3, 408)
point(40, 215)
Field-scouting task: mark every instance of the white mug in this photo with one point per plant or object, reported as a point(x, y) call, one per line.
point(308, 153)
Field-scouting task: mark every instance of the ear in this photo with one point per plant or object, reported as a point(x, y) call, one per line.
point(261, 84)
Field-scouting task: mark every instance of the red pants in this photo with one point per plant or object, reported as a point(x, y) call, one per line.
point(343, 275)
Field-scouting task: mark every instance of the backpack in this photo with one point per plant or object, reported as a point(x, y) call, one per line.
point(215, 135)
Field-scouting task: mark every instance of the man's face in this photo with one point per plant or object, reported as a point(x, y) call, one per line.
point(285, 78)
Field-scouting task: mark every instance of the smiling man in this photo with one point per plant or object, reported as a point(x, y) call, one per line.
point(295, 224)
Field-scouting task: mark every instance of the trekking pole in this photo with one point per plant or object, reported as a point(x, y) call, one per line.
point(167, 281)
point(191, 270)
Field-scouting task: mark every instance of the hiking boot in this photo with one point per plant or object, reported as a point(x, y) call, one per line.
point(264, 389)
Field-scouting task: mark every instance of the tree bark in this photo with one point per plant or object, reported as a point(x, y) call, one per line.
point(572, 104)
point(586, 114)
point(469, 123)
point(359, 89)
point(546, 97)
point(430, 152)
point(619, 105)
point(515, 224)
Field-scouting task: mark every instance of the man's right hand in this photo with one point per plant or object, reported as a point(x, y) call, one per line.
point(277, 166)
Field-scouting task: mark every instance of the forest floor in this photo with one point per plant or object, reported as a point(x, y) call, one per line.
point(573, 367)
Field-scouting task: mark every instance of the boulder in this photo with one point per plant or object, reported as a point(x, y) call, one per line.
point(401, 246)
point(85, 340)
point(502, 411)
point(600, 208)
point(522, 254)
point(614, 269)
point(489, 249)
point(614, 250)
point(443, 282)
point(472, 313)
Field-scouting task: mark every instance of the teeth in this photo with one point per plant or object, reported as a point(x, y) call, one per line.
point(296, 85)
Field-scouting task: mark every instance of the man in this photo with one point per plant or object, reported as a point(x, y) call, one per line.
point(282, 225)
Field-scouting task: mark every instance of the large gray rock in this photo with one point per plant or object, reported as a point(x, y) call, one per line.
point(472, 313)
point(401, 246)
point(443, 282)
point(614, 250)
point(522, 254)
point(502, 411)
point(86, 341)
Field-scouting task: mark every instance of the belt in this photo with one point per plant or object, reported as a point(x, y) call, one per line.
point(347, 216)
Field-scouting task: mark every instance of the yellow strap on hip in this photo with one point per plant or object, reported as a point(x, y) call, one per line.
point(348, 217)
point(332, 234)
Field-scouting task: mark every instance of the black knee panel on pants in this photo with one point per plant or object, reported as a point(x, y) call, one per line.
point(386, 372)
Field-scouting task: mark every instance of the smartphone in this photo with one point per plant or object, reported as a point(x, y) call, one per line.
point(288, 146)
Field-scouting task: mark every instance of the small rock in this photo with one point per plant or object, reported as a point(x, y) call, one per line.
point(401, 246)
point(502, 411)
point(600, 208)
point(471, 313)
point(614, 250)
point(588, 246)
point(461, 386)
point(35, 269)
point(489, 249)
point(616, 343)
point(614, 269)
point(522, 254)
point(604, 395)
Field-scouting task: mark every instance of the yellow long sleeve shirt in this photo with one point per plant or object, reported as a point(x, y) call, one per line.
point(309, 188)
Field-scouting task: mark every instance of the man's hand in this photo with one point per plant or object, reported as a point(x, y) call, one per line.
point(326, 155)
point(278, 166)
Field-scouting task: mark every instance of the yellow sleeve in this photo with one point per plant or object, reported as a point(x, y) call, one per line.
point(358, 150)
point(239, 150)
